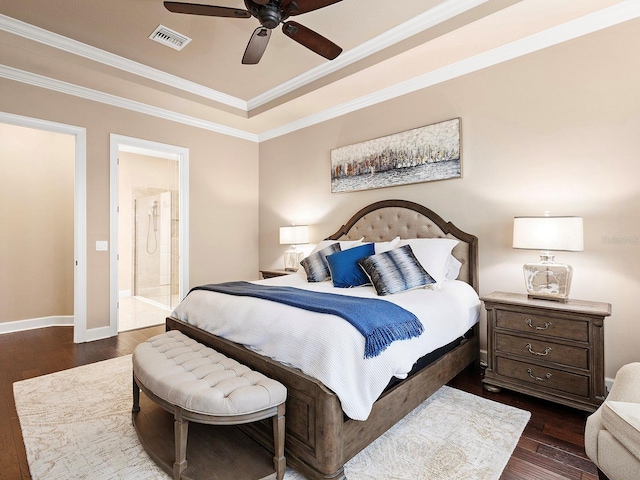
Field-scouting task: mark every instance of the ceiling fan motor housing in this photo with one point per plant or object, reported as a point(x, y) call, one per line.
point(269, 15)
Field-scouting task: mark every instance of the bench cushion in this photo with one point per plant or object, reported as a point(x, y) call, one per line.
point(199, 379)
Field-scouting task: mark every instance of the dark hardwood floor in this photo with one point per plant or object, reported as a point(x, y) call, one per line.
point(551, 447)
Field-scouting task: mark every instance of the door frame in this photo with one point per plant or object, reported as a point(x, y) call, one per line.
point(182, 153)
point(79, 212)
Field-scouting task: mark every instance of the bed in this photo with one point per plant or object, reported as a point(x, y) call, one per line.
point(320, 436)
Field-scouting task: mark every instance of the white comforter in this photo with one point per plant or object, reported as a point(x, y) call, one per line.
point(327, 347)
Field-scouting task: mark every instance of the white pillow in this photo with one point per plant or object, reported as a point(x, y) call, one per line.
point(453, 268)
point(433, 254)
point(381, 247)
point(344, 244)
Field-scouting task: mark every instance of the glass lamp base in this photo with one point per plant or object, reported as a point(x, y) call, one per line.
point(292, 260)
point(548, 280)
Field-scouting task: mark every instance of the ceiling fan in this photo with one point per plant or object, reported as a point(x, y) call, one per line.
point(270, 14)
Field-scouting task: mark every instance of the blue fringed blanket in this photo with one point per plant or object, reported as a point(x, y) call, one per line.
point(379, 321)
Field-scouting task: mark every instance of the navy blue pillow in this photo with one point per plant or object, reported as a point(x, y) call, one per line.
point(345, 271)
point(395, 271)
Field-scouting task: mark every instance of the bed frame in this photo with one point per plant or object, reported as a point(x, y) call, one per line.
point(319, 438)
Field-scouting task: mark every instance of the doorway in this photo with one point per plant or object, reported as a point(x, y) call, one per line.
point(149, 234)
point(76, 264)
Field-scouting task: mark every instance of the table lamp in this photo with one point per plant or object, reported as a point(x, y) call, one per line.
point(547, 279)
point(293, 235)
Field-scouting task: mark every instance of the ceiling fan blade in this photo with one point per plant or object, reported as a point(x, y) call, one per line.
point(256, 46)
point(298, 7)
point(208, 10)
point(312, 40)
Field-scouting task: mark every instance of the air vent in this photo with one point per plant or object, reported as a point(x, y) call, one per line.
point(170, 38)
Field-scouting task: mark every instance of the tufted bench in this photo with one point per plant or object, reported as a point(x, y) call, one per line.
point(196, 383)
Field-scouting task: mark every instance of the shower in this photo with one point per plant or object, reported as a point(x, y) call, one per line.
point(153, 218)
point(153, 274)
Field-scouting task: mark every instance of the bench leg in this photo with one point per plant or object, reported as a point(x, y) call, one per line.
point(136, 397)
point(181, 430)
point(279, 460)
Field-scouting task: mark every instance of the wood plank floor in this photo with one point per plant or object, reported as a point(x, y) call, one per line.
point(551, 447)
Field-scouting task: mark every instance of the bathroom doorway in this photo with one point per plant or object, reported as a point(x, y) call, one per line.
point(149, 231)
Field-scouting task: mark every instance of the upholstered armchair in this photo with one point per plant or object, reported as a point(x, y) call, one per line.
point(612, 433)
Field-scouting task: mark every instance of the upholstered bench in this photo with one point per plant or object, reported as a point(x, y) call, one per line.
point(198, 384)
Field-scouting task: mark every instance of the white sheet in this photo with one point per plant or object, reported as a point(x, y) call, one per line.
point(327, 347)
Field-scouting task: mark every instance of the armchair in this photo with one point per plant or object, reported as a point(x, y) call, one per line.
point(612, 433)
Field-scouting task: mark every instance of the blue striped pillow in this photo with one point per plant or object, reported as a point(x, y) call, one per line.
point(395, 271)
point(316, 264)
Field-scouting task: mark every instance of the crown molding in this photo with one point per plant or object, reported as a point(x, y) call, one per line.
point(74, 47)
point(434, 16)
point(115, 101)
point(424, 21)
point(614, 15)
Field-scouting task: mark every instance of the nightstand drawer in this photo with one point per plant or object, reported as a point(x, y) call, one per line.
point(541, 349)
point(543, 325)
point(543, 378)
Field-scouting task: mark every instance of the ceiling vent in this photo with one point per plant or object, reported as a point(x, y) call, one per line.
point(170, 38)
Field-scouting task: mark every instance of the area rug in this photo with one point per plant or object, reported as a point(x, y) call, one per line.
point(76, 424)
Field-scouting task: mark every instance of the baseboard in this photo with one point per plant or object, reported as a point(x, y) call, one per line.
point(33, 323)
point(608, 383)
point(483, 357)
point(98, 334)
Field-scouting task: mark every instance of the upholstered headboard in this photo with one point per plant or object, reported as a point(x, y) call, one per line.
point(385, 220)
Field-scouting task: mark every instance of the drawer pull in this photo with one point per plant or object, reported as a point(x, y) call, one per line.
point(530, 324)
point(546, 350)
point(538, 379)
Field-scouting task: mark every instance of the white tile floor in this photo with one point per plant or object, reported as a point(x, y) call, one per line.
point(137, 312)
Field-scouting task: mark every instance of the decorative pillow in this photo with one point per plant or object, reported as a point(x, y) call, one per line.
point(345, 271)
point(395, 271)
point(433, 254)
point(344, 244)
point(316, 264)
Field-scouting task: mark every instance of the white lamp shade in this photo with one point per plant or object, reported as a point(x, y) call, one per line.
point(294, 235)
point(548, 233)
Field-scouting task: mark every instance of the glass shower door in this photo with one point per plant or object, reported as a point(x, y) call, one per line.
point(152, 273)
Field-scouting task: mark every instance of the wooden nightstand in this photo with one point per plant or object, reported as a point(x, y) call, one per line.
point(275, 273)
point(547, 349)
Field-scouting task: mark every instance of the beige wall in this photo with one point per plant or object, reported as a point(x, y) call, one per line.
point(556, 130)
point(223, 187)
point(36, 223)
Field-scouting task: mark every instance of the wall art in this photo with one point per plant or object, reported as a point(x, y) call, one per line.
point(420, 155)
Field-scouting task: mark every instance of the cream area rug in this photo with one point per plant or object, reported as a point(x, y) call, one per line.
point(76, 424)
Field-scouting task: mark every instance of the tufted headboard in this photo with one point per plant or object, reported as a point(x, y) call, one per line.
point(385, 220)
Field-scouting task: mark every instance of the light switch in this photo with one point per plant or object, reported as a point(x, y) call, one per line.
point(102, 246)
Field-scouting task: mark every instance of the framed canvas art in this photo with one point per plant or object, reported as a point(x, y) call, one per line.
point(423, 154)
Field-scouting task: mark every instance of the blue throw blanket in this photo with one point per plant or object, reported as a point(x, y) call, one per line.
point(379, 321)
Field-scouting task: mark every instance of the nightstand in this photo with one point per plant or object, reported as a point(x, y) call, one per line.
point(275, 273)
point(547, 349)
